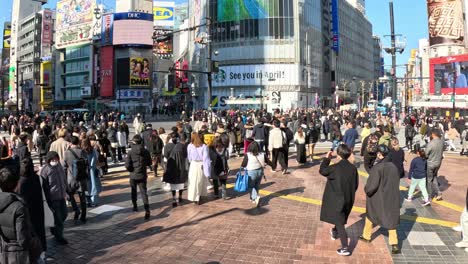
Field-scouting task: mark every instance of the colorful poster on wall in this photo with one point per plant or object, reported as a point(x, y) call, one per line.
point(74, 22)
point(7, 36)
point(446, 23)
point(235, 10)
point(163, 13)
point(140, 70)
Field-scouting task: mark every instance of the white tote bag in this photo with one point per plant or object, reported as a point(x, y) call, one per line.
point(48, 215)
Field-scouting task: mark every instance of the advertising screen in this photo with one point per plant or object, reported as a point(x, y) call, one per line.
point(449, 73)
point(133, 29)
point(107, 71)
point(162, 48)
point(163, 12)
point(234, 10)
point(74, 22)
point(140, 71)
point(446, 23)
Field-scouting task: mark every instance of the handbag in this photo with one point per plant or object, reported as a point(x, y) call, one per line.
point(242, 181)
point(49, 220)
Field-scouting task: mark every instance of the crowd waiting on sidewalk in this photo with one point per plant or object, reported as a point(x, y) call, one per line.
point(74, 153)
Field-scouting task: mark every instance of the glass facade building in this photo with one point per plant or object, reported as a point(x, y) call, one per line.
point(276, 49)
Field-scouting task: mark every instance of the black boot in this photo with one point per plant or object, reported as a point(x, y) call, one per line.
point(147, 212)
point(462, 152)
point(135, 207)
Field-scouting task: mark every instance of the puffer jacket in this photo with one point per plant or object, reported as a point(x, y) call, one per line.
point(20, 245)
point(138, 159)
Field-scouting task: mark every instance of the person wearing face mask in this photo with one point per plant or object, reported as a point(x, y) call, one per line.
point(55, 190)
point(219, 167)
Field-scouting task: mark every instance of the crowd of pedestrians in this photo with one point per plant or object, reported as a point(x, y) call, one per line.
point(75, 152)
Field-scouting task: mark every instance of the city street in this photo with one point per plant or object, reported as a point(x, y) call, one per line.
point(284, 229)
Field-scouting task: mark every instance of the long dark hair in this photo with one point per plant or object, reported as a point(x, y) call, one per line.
point(253, 148)
point(422, 153)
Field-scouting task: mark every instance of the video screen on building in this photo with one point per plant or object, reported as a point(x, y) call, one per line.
point(449, 73)
point(235, 10)
point(133, 29)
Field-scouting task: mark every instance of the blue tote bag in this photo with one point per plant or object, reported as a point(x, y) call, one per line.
point(242, 181)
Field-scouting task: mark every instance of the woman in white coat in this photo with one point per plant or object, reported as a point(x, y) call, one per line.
point(200, 169)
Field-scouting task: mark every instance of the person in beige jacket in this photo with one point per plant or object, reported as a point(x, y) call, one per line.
point(452, 135)
point(276, 141)
point(61, 145)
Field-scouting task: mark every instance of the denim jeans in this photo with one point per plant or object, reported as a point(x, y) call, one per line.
point(255, 177)
point(336, 143)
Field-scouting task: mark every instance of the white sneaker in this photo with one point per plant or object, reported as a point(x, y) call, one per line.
point(466, 249)
point(457, 228)
point(462, 244)
point(257, 200)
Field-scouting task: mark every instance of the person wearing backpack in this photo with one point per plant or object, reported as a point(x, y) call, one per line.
point(369, 150)
point(76, 165)
point(18, 242)
point(464, 140)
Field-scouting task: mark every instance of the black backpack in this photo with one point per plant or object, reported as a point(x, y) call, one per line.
point(79, 167)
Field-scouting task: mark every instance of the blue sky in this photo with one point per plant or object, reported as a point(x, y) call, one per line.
point(410, 20)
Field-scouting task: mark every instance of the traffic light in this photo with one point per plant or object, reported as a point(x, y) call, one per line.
point(170, 82)
point(452, 99)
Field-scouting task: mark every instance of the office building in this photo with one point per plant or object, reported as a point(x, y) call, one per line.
point(279, 54)
point(21, 9)
point(34, 45)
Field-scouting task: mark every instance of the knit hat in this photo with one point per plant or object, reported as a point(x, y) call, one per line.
point(51, 155)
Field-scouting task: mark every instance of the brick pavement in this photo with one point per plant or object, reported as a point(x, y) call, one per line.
point(232, 231)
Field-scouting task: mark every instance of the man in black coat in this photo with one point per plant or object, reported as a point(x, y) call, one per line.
point(138, 159)
point(339, 194)
point(383, 198)
point(16, 228)
point(22, 150)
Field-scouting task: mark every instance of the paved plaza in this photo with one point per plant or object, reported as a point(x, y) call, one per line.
point(285, 228)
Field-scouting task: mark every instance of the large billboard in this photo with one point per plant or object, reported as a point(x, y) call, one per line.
point(74, 22)
point(163, 13)
point(133, 28)
point(235, 10)
point(6, 35)
point(46, 34)
point(107, 71)
point(449, 74)
point(446, 23)
point(258, 75)
point(107, 29)
point(140, 71)
point(335, 26)
point(162, 48)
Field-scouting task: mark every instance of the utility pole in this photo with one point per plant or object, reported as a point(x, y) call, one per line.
point(17, 86)
point(210, 63)
point(392, 36)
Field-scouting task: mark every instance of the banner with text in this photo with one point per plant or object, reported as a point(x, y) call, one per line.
point(261, 75)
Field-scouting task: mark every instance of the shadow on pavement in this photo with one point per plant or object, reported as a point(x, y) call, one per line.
point(266, 200)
